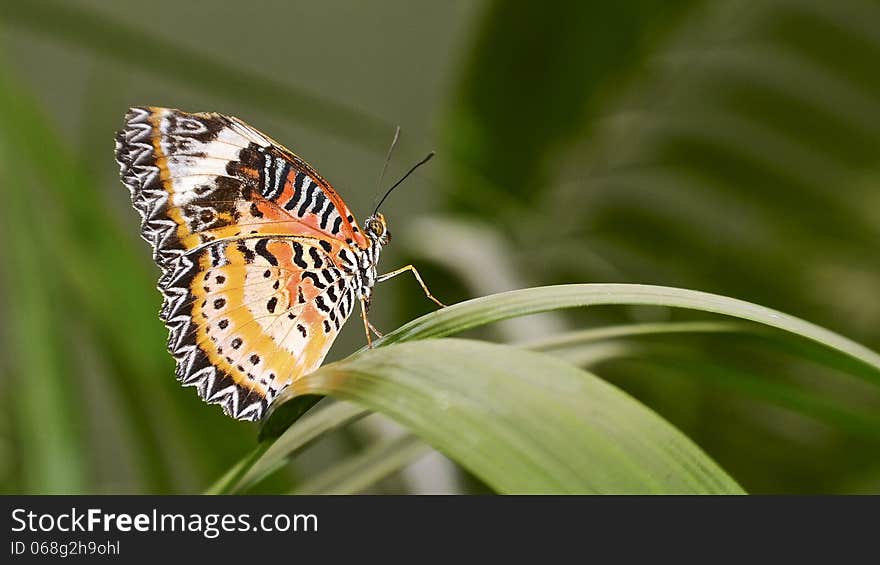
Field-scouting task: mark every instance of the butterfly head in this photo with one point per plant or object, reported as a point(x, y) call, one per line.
point(376, 227)
point(377, 230)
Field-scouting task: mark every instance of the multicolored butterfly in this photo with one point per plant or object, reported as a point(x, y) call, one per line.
point(262, 261)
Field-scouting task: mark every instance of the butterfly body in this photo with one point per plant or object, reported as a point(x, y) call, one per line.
point(262, 262)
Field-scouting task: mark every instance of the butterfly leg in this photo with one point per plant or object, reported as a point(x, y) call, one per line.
point(392, 274)
point(367, 323)
point(374, 330)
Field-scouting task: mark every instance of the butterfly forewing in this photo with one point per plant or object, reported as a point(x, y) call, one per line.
point(199, 177)
point(256, 251)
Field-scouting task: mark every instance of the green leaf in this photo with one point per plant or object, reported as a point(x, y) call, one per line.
point(521, 421)
point(46, 404)
point(363, 470)
point(271, 455)
point(592, 347)
point(743, 160)
point(591, 335)
point(97, 272)
point(587, 348)
point(128, 45)
point(839, 414)
point(583, 344)
point(538, 72)
point(480, 311)
point(473, 313)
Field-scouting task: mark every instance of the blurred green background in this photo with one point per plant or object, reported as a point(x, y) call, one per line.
point(726, 146)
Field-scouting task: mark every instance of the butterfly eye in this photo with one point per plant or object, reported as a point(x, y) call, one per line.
point(376, 227)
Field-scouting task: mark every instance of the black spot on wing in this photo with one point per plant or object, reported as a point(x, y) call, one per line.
point(297, 191)
point(203, 128)
point(228, 190)
point(216, 253)
point(245, 250)
point(344, 255)
point(315, 280)
point(282, 178)
point(298, 255)
point(251, 157)
point(316, 258)
point(320, 199)
point(325, 217)
point(262, 248)
point(330, 275)
point(307, 198)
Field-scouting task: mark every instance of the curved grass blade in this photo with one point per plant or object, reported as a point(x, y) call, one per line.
point(591, 335)
point(828, 409)
point(590, 348)
point(270, 455)
point(480, 311)
point(854, 358)
point(365, 469)
point(230, 480)
point(521, 421)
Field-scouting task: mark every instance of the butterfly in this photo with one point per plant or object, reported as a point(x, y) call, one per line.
point(261, 260)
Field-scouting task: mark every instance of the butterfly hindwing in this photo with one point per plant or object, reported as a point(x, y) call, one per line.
point(249, 316)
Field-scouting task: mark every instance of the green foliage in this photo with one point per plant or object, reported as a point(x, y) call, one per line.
point(522, 422)
point(725, 146)
point(555, 63)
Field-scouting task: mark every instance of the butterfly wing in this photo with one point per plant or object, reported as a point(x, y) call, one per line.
point(247, 317)
point(250, 240)
point(196, 178)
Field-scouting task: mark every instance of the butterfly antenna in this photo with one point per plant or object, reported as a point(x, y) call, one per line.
point(388, 158)
point(403, 178)
point(387, 161)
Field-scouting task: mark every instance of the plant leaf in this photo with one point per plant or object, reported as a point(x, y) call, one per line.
point(574, 55)
point(363, 470)
point(46, 403)
point(116, 40)
point(271, 455)
point(521, 421)
point(589, 348)
point(97, 272)
point(488, 309)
